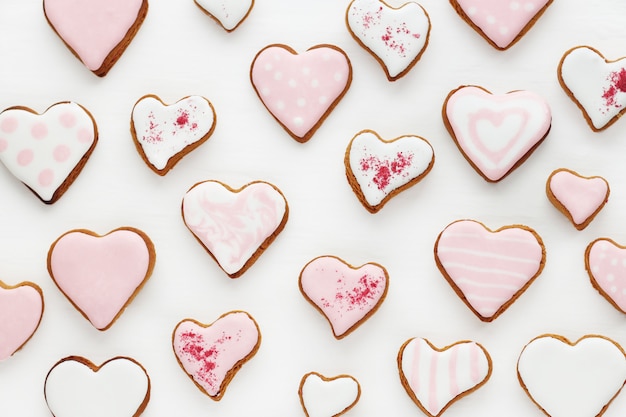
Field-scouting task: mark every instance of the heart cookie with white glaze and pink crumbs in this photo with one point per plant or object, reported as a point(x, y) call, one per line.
point(595, 84)
point(566, 379)
point(101, 275)
point(396, 37)
point(321, 396)
point(379, 169)
point(96, 31)
point(164, 134)
point(76, 387)
point(487, 269)
point(235, 225)
point(344, 294)
point(212, 354)
point(501, 22)
point(228, 13)
point(577, 197)
point(21, 309)
point(496, 133)
point(605, 262)
point(300, 90)
point(435, 378)
point(47, 151)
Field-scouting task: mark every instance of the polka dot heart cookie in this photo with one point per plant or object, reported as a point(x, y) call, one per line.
point(605, 261)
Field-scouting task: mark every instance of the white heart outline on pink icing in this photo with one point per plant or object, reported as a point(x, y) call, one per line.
point(607, 271)
point(227, 9)
point(21, 320)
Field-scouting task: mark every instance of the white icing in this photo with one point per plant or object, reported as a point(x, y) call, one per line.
point(572, 381)
point(230, 13)
point(328, 397)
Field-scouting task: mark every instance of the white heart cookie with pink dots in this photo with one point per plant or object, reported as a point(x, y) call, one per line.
point(47, 151)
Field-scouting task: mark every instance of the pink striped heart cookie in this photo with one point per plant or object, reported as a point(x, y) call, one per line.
point(488, 269)
point(435, 377)
point(605, 261)
point(228, 13)
point(21, 309)
point(322, 396)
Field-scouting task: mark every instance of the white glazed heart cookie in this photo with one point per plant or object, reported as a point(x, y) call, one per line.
point(228, 13)
point(322, 396)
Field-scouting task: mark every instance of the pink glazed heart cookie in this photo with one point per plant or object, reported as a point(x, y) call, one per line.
point(96, 31)
point(488, 269)
point(579, 198)
point(344, 294)
point(435, 377)
point(21, 309)
point(396, 37)
point(501, 22)
point(605, 261)
point(101, 275)
point(301, 90)
point(321, 396)
point(164, 134)
point(46, 152)
point(496, 133)
point(212, 354)
point(228, 13)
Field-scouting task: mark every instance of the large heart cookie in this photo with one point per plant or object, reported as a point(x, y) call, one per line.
point(212, 354)
point(164, 134)
point(568, 379)
point(488, 269)
point(47, 151)
point(345, 295)
point(100, 275)
point(378, 169)
point(235, 226)
point(228, 13)
point(321, 396)
point(501, 22)
point(76, 387)
point(496, 133)
point(605, 262)
point(96, 31)
point(397, 37)
point(300, 90)
point(21, 308)
point(435, 378)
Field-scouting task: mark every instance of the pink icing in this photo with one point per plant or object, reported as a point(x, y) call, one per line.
point(581, 197)
point(209, 354)
point(607, 266)
point(100, 274)
point(344, 295)
point(21, 308)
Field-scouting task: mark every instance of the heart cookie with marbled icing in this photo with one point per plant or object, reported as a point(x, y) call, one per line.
point(21, 309)
point(321, 396)
point(228, 13)
point(605, 261)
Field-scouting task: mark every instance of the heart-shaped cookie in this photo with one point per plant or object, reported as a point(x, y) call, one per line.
point(47, 151)
point(496, 133)
point(378, 169)
point(96, 31)
point(21, 309)
point(76, 387)
point(566, 379)
point(595, 84)
point(321, 396)
point(235, 226)
point(101, 275)
point(300, 90)
point(488, 269)
point(435, 377)
point(501, 22)
point(344, 294)
point(396, 37)
point(212, 354)
point(164, 134)
point(579, 198)
point(605, 262)
point(228, 13)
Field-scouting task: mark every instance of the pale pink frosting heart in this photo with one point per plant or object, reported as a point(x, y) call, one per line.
point(101, 275)
point(212, 354)
point(345, 295)
point(605, 261)
point(21, 308)
point(300, 90)
point(489, 270)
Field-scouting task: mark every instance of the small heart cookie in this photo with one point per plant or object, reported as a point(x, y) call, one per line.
point(566, 379)
point(300, 90)
point(435, 377)
point(164, 134)
point(579, 198)
point(488, 269)
point(496, 133)
point(101, 275)
point(228, 13)
point(344, 294)
point(396, 37)
point(321, 396)
point(605, 262)
point(96, 31)
point(46, 152)
point(21, 309)
point(212, 354)
point(379, 169)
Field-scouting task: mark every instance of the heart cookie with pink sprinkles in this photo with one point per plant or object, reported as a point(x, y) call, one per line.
point(21, 309)
point(605, 261)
